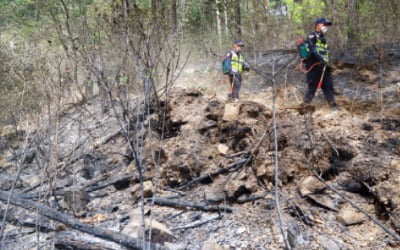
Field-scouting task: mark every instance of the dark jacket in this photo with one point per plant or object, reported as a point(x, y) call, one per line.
point(318, 49)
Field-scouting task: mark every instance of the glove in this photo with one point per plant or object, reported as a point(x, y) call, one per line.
point(246, 66)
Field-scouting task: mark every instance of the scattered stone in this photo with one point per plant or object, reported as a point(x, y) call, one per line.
point(267, 203)
point(295, 235)
point(76, 200)
point(349, 217)
point(30, 155)
point(214, 197)
point(175, 246)
point(31, 180)
point(310, 185)
point(327, 243)
point(148, 189)
point(264, 169)
point(209, 245)
point(6, 182)
point(231, 112)
point(205, 125)
point(223, 149)
point(241, 230)
point(323, 201)
point(160, 233)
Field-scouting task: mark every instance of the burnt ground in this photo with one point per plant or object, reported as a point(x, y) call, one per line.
point(356, 151)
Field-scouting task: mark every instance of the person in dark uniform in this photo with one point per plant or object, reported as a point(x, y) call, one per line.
point(317, 64)
point(236, 65)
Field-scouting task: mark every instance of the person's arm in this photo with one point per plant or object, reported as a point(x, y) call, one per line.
point(312, 40)
point(229, 62)
point(246, 65)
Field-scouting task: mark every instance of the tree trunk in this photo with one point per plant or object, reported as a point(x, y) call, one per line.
point(352, 21)
point(226, 18)
point(238, 19)
point(154, 10)
point(174, 17)
point(218, 16)
point(265, 7)
point(256, 16)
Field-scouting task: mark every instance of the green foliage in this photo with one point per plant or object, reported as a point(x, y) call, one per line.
point(17, 12)
point(302, 11)
point(194, 15)
point(95, 27)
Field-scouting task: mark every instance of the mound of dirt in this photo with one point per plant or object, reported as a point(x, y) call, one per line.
point(205, 169)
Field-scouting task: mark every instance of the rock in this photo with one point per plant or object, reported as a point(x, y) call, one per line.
point(295, 235)
point(310, 185)
point(31, 180)
point(231, 112)
point(214, 110)
point(214, 197)
point(328, 244)
point(241, 230)
point(175, 246)
point(323, 201)
point(194, 216)
point(223, 149)
point(395, 163)
point(76, 200)
point(205, 125)
point(265, 169)
point(30, 154)
point(349, 217)
point(6, 182)
point(11, 132)
point(235, 188)
point(154, 149)
point(267, 203)
point(148, 189)
point(210, 245)
point(160, 233)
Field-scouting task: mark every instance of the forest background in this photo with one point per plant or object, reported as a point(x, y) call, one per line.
point(55, 53)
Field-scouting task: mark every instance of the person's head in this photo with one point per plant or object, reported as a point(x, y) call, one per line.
point(321, 25)
point(237, 45)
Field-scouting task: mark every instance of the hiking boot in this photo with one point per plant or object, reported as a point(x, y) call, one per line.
point(335, 107)
point(336, 91)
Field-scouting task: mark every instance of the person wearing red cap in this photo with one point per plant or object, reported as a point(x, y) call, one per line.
point(319, 73)
point(236, 65)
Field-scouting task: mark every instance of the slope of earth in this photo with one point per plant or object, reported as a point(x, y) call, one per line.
point(209, 175)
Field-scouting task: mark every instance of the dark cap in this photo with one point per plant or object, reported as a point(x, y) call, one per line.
point(323, 20)
point(239, 42)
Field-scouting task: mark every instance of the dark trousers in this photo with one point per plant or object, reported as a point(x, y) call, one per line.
point(313, 78)
point(235, 82)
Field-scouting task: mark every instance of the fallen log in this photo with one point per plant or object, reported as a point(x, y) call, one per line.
point(188, 204)
point(65, 240)
point(198, 223)
point(118, 182)
point(12, 219)
point(73, 223)
point(233, 166)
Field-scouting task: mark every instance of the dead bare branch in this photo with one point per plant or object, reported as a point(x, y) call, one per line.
point(71, 222)
point(188, 204)
point(198, 223)
point(238, 164)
